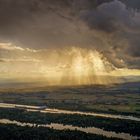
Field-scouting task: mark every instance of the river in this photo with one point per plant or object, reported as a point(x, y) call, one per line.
point(92, 130)
point(43, 109)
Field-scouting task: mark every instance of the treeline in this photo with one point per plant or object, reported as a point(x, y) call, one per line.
point(13, 132)
point(109, 124)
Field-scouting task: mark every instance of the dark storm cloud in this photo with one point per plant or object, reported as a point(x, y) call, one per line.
point(20, 20)
point(121, 26)
point(134, 46)
point(39, 23)
point(112, 17)
point(111, 26)
point(133, 4)
point(35, 16)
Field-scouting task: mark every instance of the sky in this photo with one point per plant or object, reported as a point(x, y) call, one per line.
point(64, 39)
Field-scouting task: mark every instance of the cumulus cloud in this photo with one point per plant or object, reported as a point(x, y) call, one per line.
point(10, 47)
point(121, 27)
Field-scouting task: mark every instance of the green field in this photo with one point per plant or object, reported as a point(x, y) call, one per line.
point(115, 99)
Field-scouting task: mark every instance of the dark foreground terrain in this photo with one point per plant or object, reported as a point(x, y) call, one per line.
point(117, 99)
point(12, 132)
point(109, 124)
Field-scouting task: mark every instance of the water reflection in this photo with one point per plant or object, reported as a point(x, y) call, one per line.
point(92, 130)
point(51, 110)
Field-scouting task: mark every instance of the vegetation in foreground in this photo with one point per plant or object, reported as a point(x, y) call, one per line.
point(109, 124)
point(13, 132)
